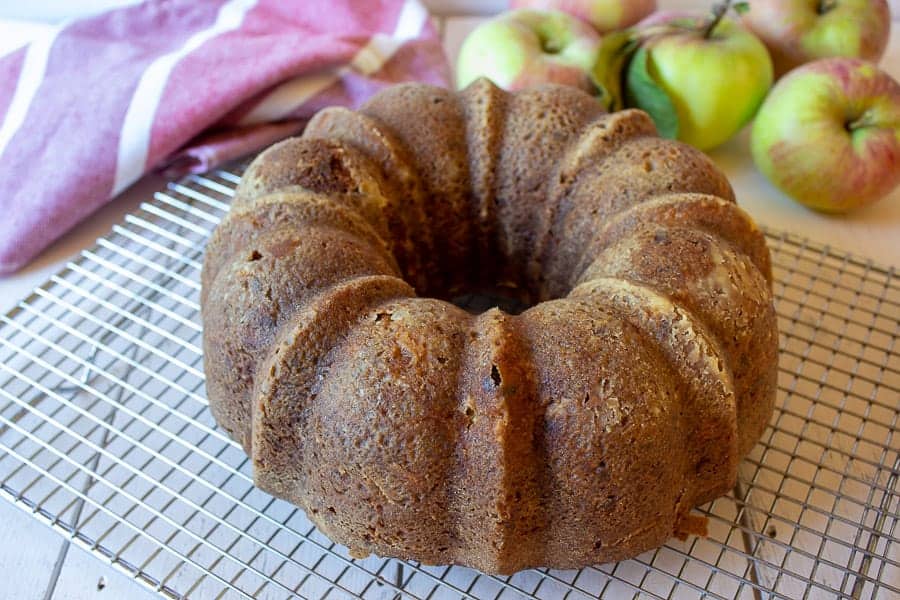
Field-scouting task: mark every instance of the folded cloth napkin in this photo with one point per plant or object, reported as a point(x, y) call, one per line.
point(182, 85)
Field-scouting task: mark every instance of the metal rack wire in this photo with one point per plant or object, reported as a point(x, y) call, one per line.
point(105, 436)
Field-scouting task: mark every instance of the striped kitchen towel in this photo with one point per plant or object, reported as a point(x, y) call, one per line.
point(182, 85)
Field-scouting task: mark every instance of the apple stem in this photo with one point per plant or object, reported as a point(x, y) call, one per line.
point(864, 120)
point(718, 11)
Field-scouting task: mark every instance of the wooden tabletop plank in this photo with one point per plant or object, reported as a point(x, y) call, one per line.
point(29, 552)
point(83, 577)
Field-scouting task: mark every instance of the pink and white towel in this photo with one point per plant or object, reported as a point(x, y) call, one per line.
point(182, 85)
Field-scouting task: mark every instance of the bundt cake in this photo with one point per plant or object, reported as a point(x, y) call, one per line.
point(580, 431)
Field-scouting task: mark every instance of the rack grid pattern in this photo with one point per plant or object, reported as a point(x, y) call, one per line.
point(106, 437)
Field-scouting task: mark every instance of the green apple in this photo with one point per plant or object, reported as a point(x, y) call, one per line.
point(604, 15)
point(829, 134)
point(714, 74)
point(521, 48)
point(798, 31)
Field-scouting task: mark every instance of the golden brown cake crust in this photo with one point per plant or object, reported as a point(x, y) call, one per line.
point(582, 430)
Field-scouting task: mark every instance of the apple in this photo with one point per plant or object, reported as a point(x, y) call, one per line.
point(604, 15)
point(662, 17)
point(798, 31)
point(525, 47)
point(828, 134)
point(711, 72)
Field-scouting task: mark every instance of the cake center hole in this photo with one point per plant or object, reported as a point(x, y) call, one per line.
point(477, 301)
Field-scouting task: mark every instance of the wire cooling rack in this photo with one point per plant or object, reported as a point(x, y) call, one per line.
point(106, 437)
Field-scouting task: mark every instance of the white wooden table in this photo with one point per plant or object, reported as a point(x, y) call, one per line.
point(38, 564)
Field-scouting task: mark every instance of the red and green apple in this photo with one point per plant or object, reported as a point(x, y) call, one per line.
point(713, 71)
point(828, 135)
point(604, 15)
point(798, 31)
point(525, 47)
